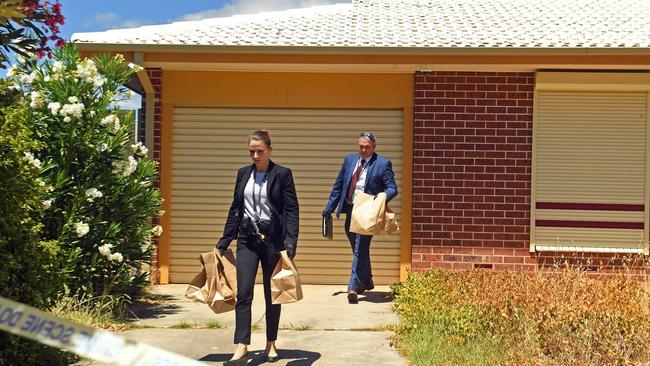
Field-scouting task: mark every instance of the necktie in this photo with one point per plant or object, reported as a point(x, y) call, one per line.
point(353, 182)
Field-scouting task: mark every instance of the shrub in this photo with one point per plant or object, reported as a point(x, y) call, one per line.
point(563, 318)
point(102, 197)
point(30, 270)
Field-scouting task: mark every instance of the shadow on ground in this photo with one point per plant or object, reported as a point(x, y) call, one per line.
point(377, 297)
point(153, 307)
point(294, 357)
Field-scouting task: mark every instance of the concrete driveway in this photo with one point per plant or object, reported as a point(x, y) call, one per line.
point(321, 329)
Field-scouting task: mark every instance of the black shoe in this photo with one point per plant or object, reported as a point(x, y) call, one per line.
point(242, 361)
point(272, 358)
point(352, 297)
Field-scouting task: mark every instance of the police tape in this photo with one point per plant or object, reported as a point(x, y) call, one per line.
point(96, 344)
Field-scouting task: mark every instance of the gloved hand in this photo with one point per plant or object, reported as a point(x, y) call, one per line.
point(326, 212)
point(291, 252)
point(222, 246)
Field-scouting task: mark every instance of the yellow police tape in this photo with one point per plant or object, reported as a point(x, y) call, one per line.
point(95, 344)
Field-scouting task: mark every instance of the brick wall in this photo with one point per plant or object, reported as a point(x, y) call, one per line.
point(472, 140)
point(155, 74)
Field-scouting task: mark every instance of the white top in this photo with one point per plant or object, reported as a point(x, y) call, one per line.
point(256, 186)
point(361, 182)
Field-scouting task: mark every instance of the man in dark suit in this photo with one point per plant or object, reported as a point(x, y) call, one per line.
point(367, 172)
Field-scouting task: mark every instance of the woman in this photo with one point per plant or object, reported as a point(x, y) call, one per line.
point(263, 218)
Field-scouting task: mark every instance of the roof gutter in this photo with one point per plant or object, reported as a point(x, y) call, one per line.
point(332, 50)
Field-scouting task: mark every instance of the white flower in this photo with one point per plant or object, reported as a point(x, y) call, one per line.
point(37, 99)
point(102, 147)
point(81, 228)
point(46, 78)
point(125, 167)
point(139, 149)
point(47, 204)
point(157, 230)
point(131, 65)
point(87, 70)
point(130, 166)
point(93, 193)
point(92, 113)
point(54, 107)
point(30, 158)
point(57, 67)
point(118, 166)
point(117, 257)
point(12, 71)
point(74, 110)
point(112, 122)
point(73, 99)
point(67, 119)
point(27, 78)
point(105, 250)
point(99, 81)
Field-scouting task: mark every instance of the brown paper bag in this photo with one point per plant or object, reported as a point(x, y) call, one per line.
point(285, 281)
point(368, 213)
point(216, 284)
point(390, 224)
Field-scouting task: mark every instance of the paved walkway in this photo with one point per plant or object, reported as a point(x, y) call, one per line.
point(321, 329)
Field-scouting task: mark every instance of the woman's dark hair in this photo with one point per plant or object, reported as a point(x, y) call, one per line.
point(261, 135)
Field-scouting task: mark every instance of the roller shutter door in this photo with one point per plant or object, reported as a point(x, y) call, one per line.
point(209, 145)
point(590, 169)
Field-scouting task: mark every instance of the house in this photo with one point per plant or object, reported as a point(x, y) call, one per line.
point(517, 128)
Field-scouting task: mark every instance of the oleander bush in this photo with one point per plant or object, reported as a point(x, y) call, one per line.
point(99, 196)
point(31, 269)
point(523, 318)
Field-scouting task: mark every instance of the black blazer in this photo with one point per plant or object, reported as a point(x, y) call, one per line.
point(281, 192)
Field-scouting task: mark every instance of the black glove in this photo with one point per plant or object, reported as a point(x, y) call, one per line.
point(326, 212)
point(291, 252)
point(222, 246)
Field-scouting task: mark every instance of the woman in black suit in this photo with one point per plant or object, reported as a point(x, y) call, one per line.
point(263, 218)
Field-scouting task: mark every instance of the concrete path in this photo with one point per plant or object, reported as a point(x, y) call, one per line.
point(321, 329)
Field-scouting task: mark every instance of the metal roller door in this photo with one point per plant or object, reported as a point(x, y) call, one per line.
point(209, 145)
point(590, 170)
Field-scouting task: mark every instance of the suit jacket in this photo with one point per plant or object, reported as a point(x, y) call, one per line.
point(379, 178)
point(281, 192)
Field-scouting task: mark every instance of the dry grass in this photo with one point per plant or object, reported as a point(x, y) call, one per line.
point(516, 318)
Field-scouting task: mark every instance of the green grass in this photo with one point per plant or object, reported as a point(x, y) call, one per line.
point(299, 327)
point(428, 346)
point(213, 325)
point(183, 325)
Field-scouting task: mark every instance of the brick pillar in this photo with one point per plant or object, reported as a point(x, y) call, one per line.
point(472, 141)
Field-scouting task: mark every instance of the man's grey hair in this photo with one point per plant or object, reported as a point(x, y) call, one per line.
point(368, 136)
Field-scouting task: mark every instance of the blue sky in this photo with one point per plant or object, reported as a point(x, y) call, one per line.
point(100, 15)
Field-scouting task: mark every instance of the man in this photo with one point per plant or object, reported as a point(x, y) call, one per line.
point(361, 172)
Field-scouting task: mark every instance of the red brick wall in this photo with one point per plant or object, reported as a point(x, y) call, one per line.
point(472, 140)
point(155, 74)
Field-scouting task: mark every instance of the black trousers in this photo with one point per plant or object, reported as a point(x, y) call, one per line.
point(250, 252)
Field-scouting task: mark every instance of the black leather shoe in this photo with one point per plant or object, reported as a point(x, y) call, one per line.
point(272, 358)
point(242, 361)
point(352, 297)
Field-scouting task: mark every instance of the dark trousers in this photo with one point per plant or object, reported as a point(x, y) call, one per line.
point(251, 251)
point(361, 273)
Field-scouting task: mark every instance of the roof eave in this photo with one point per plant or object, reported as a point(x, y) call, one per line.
point(329, 50)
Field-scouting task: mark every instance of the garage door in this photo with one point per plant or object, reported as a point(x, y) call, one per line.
point(209, 146)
